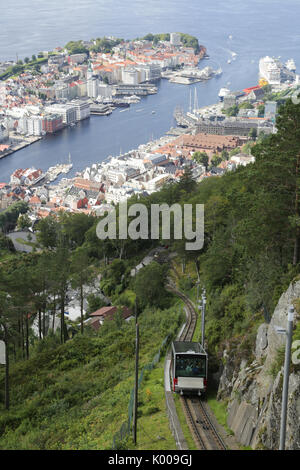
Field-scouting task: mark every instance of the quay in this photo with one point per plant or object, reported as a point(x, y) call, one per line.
point(101, 110)
point(143, 90)
point(14, 146)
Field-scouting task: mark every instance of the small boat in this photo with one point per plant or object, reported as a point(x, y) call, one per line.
point(153, 112)
point(228, 61)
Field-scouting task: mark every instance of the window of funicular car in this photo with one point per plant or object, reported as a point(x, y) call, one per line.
point(190, 365)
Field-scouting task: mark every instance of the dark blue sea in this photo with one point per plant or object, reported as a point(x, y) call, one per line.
point(250, 28)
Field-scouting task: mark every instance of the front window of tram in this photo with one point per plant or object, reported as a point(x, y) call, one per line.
point(190, 366)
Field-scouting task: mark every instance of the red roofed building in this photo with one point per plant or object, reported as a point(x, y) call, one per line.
point(107, 313)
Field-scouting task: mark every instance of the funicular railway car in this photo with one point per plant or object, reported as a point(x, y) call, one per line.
point(188, 368)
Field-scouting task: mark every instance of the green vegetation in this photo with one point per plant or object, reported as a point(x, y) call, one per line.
point(74, 396)
point(183, 423)
point(70, 389)
point(186, 39)
point(105, 45)
point(76, 47)
point(17, 69)
point(9, 217)
point(190, 41)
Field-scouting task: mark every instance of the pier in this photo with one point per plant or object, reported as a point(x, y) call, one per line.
point(142, 90)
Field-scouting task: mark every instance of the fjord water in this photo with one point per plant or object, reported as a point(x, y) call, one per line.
point(250, 28)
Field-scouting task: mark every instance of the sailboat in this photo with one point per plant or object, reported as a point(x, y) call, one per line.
point(68, 166)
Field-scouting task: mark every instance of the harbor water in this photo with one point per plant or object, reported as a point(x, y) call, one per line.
point(233, 31)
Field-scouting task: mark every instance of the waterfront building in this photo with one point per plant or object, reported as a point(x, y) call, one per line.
point(52, 123)
point(130, 76)
point(83, 109)
point(104, 90)
point(34, 125)
point(67, 111)
point(234, 126)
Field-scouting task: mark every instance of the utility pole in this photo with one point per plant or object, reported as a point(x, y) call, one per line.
point(136, 386)
point(135, 408)
point(3, 360)
point(6, 368)
point(203, 317)
point(199, 305)
point(285, 388)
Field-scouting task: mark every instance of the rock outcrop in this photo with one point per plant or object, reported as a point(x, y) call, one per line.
point(254, 391)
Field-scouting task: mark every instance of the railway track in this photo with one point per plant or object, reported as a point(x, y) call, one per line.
point(202, 428)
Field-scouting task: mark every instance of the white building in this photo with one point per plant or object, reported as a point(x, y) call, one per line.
point(34, 125)
point(104, 90)
point(116, 176)
point(67, 111)
point(3, 133)
point(61, 91)
point(83, 109)
point(92, 87)
point(156, 182)
point(130, 76)
point(3, 92)
point(175, 39)
point(117, 195)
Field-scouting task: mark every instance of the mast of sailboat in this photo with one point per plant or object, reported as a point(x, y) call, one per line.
point(190, 108)
point(195, 100)
point(70, 158)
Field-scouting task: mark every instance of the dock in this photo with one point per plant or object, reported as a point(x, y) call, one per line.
point(142, 90)
point(23, 142)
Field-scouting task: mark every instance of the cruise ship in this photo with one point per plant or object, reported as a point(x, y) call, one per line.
point(270, 70)
point(290, 65)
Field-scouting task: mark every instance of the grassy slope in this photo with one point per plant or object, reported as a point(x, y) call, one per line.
point(76, 396)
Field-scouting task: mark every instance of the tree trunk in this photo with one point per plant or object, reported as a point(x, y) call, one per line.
point(296, 248)
point(44, 323)
point(19, 334)
point(23, 343)
point(54, 313)
point(62, 318)
point(81, 308)
point(40, 324)
point(27, 336)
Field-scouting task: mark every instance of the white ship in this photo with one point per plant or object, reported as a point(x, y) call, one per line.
point(270, 70)
point(290, 65)
point(223, 92)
